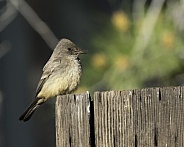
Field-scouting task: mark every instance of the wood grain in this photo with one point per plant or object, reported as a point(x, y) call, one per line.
point(73, 120)
point(150, 117)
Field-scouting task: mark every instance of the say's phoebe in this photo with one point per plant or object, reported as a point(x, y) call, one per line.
point(61, 75)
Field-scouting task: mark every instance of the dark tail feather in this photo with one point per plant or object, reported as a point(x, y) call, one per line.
point(30, 110)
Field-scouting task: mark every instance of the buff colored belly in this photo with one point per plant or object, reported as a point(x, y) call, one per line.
point(59, 84)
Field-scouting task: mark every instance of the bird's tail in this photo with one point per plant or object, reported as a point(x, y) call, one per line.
point(31, 109)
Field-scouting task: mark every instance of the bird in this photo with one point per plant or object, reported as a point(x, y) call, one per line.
point(61, 75)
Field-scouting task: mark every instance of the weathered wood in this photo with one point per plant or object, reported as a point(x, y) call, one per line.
point(130, 118)
point(140, 118)
point(72, 120)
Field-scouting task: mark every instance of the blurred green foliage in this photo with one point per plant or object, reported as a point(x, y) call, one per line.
point(114, 64)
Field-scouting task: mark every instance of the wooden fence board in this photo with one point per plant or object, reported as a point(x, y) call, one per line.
point(73, 120)
point(147, 117)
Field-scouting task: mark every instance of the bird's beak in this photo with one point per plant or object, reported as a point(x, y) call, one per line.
point(82, 51)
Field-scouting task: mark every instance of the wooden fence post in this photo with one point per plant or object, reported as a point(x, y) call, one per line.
point(73, 120)
point(147, 117)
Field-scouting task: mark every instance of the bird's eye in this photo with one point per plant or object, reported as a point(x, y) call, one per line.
point(69, 49)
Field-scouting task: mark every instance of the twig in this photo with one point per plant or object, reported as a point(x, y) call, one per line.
point(146, 30)
point(37, 24)
point(8, 16)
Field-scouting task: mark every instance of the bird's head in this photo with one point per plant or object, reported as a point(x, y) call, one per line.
point(67, 47)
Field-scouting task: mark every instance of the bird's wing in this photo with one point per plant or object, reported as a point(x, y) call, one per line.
point(47, 71)
point(40, 85)
point(43, 79)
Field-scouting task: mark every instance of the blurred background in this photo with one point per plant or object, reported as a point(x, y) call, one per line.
point(131, 44)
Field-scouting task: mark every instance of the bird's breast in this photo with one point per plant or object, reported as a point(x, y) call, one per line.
point(63, 81)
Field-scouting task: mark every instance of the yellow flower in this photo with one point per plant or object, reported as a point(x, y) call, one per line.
point(99, 60)
point(120, 21)
point(168, 40)
point(122, 62)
